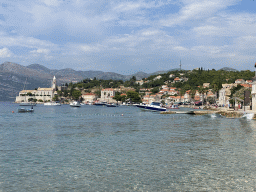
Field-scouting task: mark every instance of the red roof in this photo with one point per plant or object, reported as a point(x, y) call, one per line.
point(246, 85)
point(107, 89)
point(89, 94)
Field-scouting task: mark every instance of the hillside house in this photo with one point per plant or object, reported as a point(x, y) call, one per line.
point(206, 85)
point(139, 82)
point(240, 81)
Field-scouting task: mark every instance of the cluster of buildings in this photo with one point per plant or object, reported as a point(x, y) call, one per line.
point(167, 94)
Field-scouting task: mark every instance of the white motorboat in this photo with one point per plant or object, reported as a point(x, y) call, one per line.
point(75, 104)
point(154, 106)
point(52, 104)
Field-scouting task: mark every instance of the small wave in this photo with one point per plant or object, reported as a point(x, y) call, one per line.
point(248, 116)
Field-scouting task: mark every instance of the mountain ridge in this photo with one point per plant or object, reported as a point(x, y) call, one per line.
point(13, 77)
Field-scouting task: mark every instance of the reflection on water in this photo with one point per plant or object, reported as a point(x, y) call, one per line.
point(99, 149)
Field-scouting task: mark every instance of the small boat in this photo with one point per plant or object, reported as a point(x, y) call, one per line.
point(173, 107)
point(111, 105)
point(27, 104)
point(24, 110)
point(52, 104)
point(100, 103)
point(75, 104)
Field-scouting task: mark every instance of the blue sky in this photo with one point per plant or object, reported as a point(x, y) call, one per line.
point(129, 36)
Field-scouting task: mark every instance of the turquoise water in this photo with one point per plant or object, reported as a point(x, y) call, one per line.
point(93, 148)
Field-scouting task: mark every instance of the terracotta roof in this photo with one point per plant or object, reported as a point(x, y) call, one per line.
point(89, 94)
point(107, 89)
point(246, 85)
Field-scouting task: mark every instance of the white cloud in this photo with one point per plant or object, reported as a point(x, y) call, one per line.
point(196, 9)
point(51, 2)
point(22, 41)
point(41, 51)
point(208, 30)
point(5, 52)
point(90, 48)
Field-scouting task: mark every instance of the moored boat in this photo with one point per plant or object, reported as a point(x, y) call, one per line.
point(75, 104)
point(154, 106)
point(27, 104)
point(100, 103)
point(173, 107)
point(52, 104)
point(24, 110)
point(111, 105)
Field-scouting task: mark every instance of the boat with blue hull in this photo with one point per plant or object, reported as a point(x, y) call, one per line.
point(154, 106)
point(100, 103)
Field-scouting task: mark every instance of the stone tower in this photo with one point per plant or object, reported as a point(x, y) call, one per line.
point(254, 91)
point(54, 83)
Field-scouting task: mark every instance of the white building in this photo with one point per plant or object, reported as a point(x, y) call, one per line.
point(44, 94)
point(88, 97)
point(157, 77)
point(141, 82)
point(254, 94)
point(107, 94)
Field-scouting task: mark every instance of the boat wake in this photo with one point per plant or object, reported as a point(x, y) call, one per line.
point(248, 116)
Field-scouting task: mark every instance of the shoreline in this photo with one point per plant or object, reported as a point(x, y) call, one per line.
point(228, 113)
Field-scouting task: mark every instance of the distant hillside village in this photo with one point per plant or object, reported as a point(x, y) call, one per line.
point(198, 86)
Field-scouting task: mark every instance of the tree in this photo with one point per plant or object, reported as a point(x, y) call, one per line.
point(117, 96)
point(30, 99)
point(76, 94)
point(155, 90)
point(133, 96)
point(55, 98)
point(29, 94)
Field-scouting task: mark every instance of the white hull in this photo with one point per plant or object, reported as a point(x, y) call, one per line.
point(75, 104)
point(52, 104)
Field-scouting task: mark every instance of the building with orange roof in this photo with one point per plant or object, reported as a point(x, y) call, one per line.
point(246, 85)
point(248, 81)
point(176, 79)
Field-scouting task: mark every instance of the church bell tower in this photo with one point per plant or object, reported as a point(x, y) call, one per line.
point(54, 83)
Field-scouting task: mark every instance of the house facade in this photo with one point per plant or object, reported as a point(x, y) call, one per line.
point(107, 95)
point(89, 97)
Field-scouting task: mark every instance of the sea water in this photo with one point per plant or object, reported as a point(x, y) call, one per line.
point(95, 148)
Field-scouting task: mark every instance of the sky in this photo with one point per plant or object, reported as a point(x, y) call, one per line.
point(129, 36)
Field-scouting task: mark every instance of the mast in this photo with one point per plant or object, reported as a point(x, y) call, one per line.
point(255, 69)
point(180, 65)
